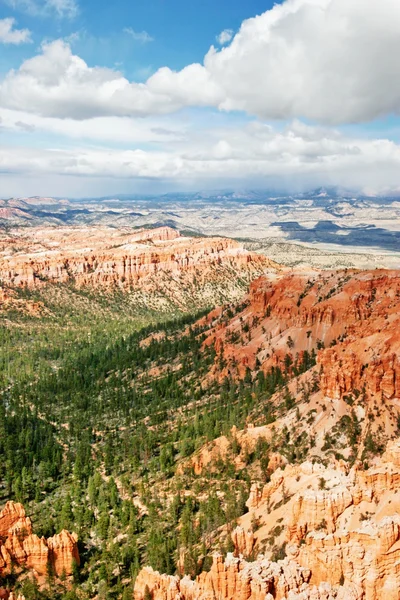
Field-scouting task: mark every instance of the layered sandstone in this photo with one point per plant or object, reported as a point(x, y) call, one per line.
point(14, 520)
point(315, 508)
point(63, 552)
point(106, 257)
point(22, 548)
point(243, 540)
point(343, 541)
point(227, 579)
point(367, 559)
point(339, 518)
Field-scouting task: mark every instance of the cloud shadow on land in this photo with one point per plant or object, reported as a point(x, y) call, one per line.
point(328, 232)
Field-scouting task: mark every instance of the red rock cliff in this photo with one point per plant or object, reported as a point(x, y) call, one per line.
point(351, 319)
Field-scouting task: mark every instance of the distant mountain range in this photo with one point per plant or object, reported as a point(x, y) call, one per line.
point(321, 194)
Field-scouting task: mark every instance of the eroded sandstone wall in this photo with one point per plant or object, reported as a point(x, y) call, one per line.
point(20, 547)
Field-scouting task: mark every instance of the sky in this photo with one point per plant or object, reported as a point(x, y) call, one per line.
point(153, 96)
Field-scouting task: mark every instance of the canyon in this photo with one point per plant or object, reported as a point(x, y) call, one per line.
point(348, 319)
point(341, 539)
point(329, 527)
point(282, 399)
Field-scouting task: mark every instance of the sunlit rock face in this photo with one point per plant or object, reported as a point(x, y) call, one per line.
point(100, 257)
point(336, 516)
point(343, 542)
point(19, 547)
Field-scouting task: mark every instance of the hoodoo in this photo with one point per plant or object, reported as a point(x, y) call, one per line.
point(22, 549)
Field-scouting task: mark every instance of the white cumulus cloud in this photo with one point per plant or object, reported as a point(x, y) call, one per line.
point(57, 83)
point(332, 61)
point(10, 35)
point(225, 36)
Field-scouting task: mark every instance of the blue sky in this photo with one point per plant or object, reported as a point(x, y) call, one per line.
point(181, 32)
point(100, 97)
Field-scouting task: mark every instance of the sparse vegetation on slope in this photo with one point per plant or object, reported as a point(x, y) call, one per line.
point(148, 438)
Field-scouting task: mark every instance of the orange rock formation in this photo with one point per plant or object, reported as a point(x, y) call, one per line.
point(19, 546)
point(95, 256)
point(339, 518)
point(343, 542)
point(232, 578)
